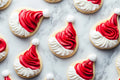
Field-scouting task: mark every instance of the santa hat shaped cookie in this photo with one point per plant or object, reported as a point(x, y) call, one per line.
point(64, 43)
point(49, 76)
point(25, 22)
point(6, 75)
point(82, 70)
point(28, 64)
point(105, 35)
point(3, 49)
point(88, 6)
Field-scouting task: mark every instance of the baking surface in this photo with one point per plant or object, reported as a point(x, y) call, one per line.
point(105, 65)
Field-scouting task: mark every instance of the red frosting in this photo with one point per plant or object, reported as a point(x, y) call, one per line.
point(29, 19)
point(7, 78)
point(30, 58)
point(119, 78)
point(109, 29)
point(2, 45)
point(67, 38)
point(85, 69)
point(95, 1)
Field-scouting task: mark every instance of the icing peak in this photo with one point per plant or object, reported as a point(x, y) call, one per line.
point(30, 59)
point(109, 29)
point(117, 11)
point(67, 37)
point(93, 57)
point(70, 18)
point(29, 19)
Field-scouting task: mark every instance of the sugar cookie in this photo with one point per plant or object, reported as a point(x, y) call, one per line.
point(4, 4)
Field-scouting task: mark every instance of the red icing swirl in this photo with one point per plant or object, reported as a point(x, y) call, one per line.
point(2, 45)
point(29, 19)
point(85, 69)
point(109, 28)
point(30, 59)
point(7, 78)
point(95, 1)
point(67, 38)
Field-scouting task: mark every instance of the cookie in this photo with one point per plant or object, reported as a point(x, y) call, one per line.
point(49, 76)
point(83, 69)
point(88, 6)
point(3, 49)
point(105, 35)
point(25, 22)
point(53, 1)
point(4, 4)
point(64, 43)
point(6, 75)
point(118, 65)
point(28, 64)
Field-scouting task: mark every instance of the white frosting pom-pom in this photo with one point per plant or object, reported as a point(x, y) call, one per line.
point(50, 76)
point(70, 18)
point(35, 41)
point(92, 57)
point(46, 13)
point(117, 11)
point(5, 73)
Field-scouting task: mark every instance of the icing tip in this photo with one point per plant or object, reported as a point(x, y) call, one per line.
point(117, 11)
point(5, 73)
point(46, 13)
point(35, 41)
point(50, 76)
point(93, 57)
point(70, 18)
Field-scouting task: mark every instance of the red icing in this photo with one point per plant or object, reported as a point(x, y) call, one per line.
point(85, 69)
point(95, 1)
point(2, 45)
point(29, 19)
point(119, 78)
point(109, 28)
point(67, 38)
point(30, 59)
point(7, 78)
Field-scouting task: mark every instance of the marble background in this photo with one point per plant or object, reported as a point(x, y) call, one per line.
point(105, 64)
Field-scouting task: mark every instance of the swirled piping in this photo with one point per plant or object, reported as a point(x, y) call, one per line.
point(85, 5)
point(72, 74)
point(27, 72)
point(101, 41)
point(58, 48)
point(3, 2)
point(15, 25)
point(2, 54)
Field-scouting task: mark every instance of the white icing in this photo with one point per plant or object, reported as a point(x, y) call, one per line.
point(46, 13)
point(15, 25)
point(92, 57)
point(27, 72)
point(5, 73)
point(49, 76)
point(117, 11)
point(58, 48)
point(2, 54)
point(86, 6)
point(35, 41)
point(70, 18)
point(101, 41)
point(73, 75)
point(3, 2)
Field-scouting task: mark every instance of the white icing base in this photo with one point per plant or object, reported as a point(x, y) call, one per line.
point(102, 42)
point(57, 48)
point(3, 2)
point(26, 72)
point(73, 75)
point(15, 25)
point(2, 54)
point(86, 6)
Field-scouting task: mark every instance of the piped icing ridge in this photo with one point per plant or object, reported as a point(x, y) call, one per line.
point(95, 1)
point(30, 59)
point(85, 69)
point(29, 19)
point(2, 45)
point(67, 37)
point(109, 29)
